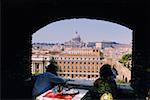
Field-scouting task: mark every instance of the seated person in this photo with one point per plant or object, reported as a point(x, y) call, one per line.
point(46, 81)
point(106, 82)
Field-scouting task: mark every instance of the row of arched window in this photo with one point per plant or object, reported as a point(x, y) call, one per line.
point(77, 75)
point(73, 62)
point(79, 67)
point(81, 71)
point(77, 58)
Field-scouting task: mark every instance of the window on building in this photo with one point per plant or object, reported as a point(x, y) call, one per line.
point(37, 67)
point(97, 67)
point(80, 67)
point(92, 67)
point(88, 76)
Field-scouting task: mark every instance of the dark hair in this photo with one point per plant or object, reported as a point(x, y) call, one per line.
point(105, 71)
point(51, 68)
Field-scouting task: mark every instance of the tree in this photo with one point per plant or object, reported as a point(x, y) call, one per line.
point(125, 60)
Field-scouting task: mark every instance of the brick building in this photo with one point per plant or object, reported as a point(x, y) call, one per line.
point(74, 63)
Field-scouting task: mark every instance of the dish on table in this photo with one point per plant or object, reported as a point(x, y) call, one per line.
point(70, 92)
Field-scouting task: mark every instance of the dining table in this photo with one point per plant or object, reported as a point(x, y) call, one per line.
point(51, 95)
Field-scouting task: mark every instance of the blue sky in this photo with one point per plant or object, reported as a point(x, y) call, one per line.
point(90, 30)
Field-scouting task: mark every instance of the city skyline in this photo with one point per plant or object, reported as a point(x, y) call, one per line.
point(88, 29)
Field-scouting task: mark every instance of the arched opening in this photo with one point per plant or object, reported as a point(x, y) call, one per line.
point(97, 42)
point(126, 79)
point(17, 57)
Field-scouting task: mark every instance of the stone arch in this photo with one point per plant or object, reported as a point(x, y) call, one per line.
point(126, 79)
point(102, 18)
point(123, 77)
point(22, 18)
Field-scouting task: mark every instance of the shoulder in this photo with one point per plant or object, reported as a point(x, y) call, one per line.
point(48, 74)
point(45, 75)
point(97, 81)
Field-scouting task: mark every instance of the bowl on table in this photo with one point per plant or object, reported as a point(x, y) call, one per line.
point(70, 92)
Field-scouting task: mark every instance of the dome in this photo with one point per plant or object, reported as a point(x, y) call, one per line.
point(76, 37)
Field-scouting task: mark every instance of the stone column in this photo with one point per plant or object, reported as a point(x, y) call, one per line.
point(32, 67)
point(41, 67)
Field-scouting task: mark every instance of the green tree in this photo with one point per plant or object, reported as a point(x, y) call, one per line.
point(125, 60)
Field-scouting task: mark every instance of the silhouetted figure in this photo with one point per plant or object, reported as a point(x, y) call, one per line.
point(105, 83)
point(47, 81)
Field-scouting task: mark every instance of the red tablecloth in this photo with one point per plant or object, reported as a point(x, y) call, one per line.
point(59, 96)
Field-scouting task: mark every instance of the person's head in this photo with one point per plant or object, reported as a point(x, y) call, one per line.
point(105, 71)
point(51, 68)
